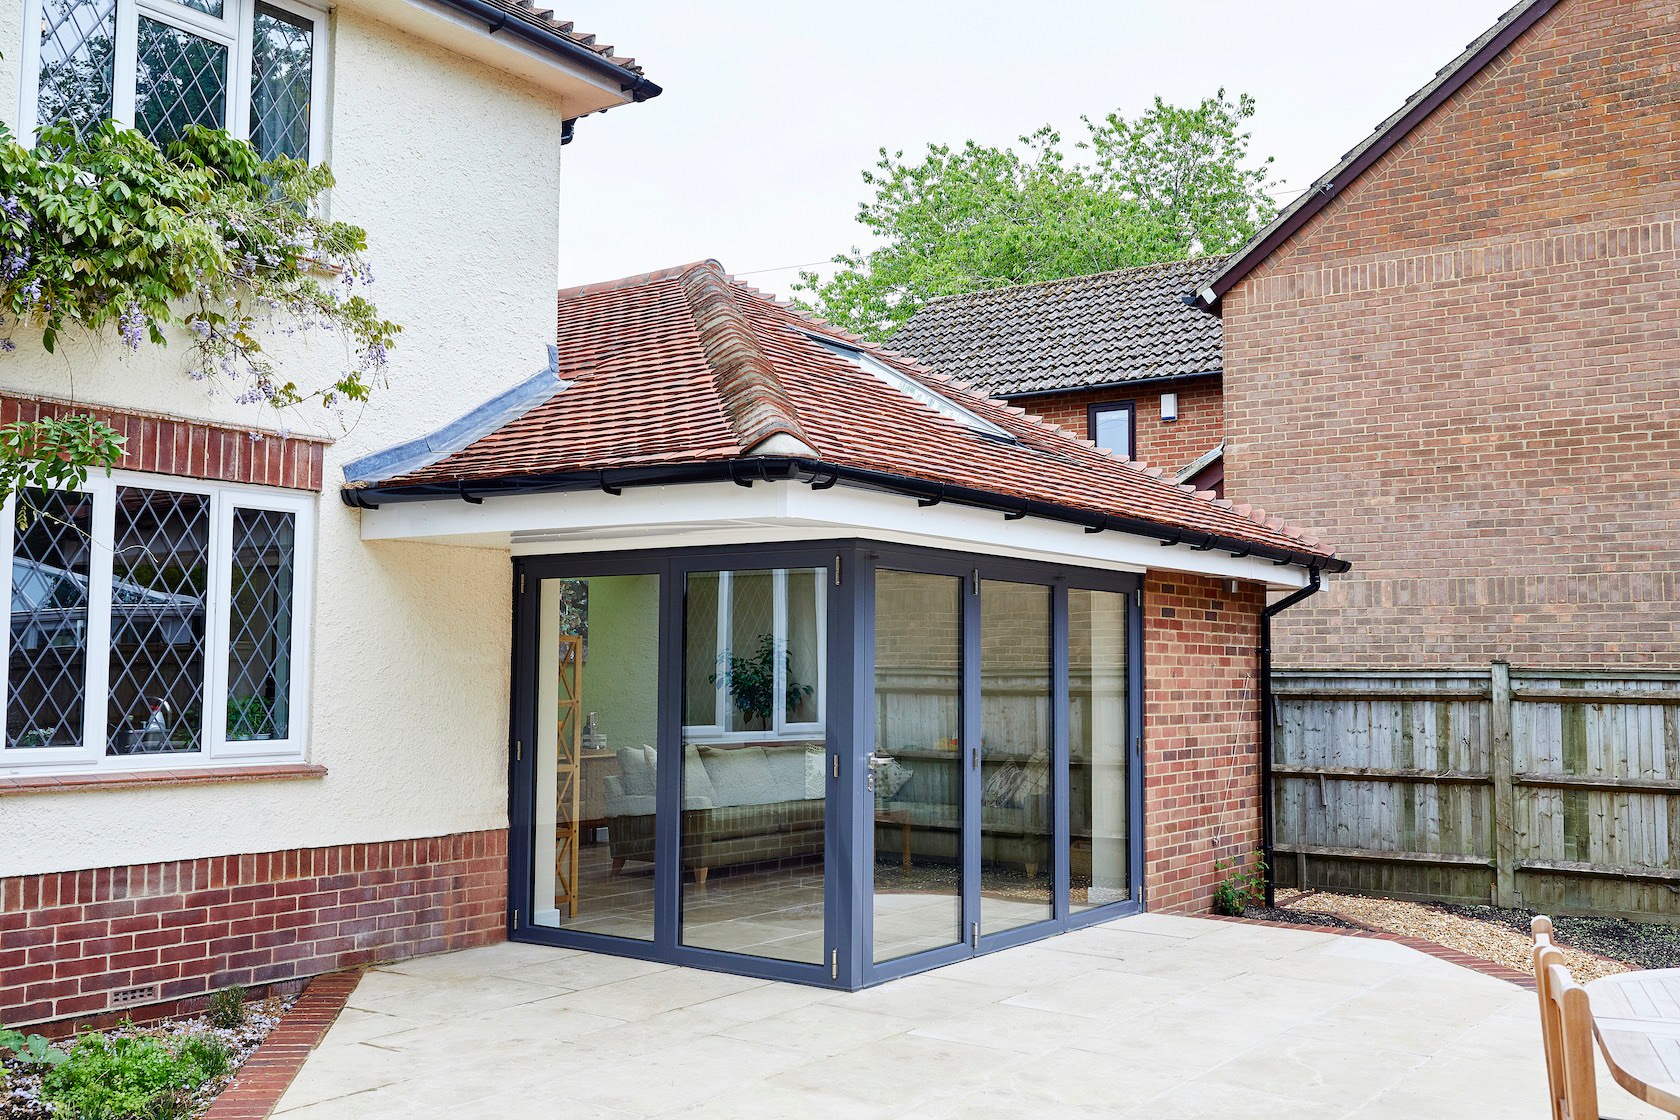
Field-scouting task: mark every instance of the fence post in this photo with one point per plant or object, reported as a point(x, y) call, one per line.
point(1504, 788)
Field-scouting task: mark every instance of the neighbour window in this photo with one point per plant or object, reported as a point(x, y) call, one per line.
point(1113, 427)
point(153, 622)
point(249, 66)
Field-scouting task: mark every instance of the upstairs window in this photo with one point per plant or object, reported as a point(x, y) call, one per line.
point(253, 67)
point(154, 622)
point(1113, 427)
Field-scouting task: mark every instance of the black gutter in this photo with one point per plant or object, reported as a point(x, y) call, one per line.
point(628, 81)
point(821, 475)
point(1268, 719)
point(1343, 175)
point(1164, 379)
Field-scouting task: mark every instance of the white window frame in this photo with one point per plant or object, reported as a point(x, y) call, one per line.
point(232, 30)
point(780, 726)
point(214, 747)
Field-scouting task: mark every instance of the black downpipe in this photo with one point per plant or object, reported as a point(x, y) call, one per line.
point(1268, 719)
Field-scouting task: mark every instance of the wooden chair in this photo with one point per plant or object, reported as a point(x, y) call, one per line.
point(1543, 956)
point(1566, 1027)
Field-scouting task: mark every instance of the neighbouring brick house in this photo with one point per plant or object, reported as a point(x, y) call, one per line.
point(1118, 358)
point(1459, 357)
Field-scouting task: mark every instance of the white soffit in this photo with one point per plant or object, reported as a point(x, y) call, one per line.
point(703, 514)
point(580, 92)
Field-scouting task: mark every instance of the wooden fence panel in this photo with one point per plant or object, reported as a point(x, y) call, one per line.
point(1559, 791)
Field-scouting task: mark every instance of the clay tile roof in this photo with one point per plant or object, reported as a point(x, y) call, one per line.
point(529, 12)
point(689, 366)
point(1083, 332)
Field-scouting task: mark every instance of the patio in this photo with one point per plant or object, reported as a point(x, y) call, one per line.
point(1152, 1015)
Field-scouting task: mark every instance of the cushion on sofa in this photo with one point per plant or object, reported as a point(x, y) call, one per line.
point(787, 770)
point(740, 775)
point(635, 771)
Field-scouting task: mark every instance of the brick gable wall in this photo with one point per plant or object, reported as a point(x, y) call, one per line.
point(1201, 735)
point(1171, 446)
point(68, 941)
point(1465, 372)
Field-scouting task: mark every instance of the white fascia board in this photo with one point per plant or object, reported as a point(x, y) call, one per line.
point(702, 514)
point(580, 91)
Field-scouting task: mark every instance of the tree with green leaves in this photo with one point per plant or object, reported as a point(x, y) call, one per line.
point(1171, 184)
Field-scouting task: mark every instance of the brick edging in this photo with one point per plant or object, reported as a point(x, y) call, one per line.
point(1431, 948)
point(266, 1075)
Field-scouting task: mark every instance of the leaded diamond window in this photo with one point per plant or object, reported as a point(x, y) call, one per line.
point(154, 622)
point(159, 583)
point(260, 626)
point(48, 655)
point(181, 80)
point(250, 66)
point(78, 61)
point(282, 76)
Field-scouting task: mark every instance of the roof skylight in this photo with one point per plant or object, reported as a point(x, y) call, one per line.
point(914, 389)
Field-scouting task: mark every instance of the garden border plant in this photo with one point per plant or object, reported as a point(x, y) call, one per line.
point(203, 240)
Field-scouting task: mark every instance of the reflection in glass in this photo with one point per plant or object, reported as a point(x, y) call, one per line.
point(47, 666)
point(1097, 749)
point(597, 723)
point(180, 80)
point(259, 683)
point(78, 62)
point(282, 64)
point(755, 779)
point(159, 575)
point(1016, 886)
point(917, 769)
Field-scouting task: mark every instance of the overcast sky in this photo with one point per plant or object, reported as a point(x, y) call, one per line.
point(771, 110)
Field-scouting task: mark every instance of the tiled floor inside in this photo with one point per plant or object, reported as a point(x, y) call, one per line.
point(1150, 1016)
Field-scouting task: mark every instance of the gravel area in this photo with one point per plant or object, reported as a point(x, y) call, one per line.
point(20, 1088)
point(1475, 930)
point(1299, 917)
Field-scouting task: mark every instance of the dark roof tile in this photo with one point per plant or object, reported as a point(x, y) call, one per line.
point(1076, 333)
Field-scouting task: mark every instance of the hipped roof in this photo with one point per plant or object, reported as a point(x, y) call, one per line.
point(664, 374)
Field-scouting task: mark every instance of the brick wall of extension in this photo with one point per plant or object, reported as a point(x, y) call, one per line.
point(1465, 372)
point(1201, 735)
point(1170, 445)
point(73, 944)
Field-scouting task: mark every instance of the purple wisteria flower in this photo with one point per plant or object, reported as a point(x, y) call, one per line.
point(130, 325)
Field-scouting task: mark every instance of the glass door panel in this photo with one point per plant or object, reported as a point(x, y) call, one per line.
point(1099, 858)
point(597, 721)
point(1016, 827)
point(755, 762)
point(916, 772)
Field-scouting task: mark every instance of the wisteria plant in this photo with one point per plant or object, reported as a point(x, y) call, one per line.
point(202, 240)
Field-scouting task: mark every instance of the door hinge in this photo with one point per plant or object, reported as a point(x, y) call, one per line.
point(974, 581)
point(837, 569)
point(516, 919)
point(834, 965)
point(522, 583)
point(974, 757)
point(974, 934)
point(836, 765)
point(519, 750)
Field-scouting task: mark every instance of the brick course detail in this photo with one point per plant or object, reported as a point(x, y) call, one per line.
point(1172, 446)
point(171, 445)
point(1464, 373)
point(69, 940)
point(1201, 735)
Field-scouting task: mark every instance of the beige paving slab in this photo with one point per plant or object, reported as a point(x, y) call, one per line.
point(1152, 1016)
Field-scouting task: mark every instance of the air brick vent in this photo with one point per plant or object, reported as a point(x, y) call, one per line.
point(133, 997)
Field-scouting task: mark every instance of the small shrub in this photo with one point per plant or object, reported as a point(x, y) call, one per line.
point(115, 1078)
point(226, 1010)
point(1239, 887)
